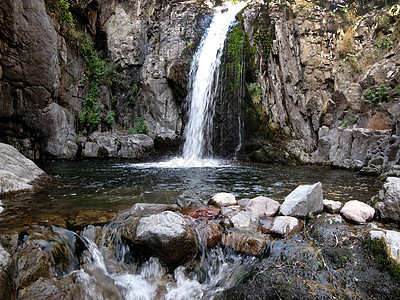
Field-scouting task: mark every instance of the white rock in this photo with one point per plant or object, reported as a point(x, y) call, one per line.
point(357, 211)
point(332, 207)
point(390, 194)
point(286, 226)
point(230, 211)
point(304, 200)
point(245, 221)
point(263, 206)
point(224, 199)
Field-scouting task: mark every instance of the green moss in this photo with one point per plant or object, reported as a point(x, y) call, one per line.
point(379, 251)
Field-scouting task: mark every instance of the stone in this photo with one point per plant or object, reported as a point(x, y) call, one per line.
point(147, 209)
point(230, 211)
point(209, 233)
point(392, 240)
point(16, 171)
point(303, 201)
point(357, 211)
point(263, 206)
point(331, 206)
point(203, 213)
point(223, 199)
point(250, 244)
point(283, 226)
point(168, 237)
point(389, 207)
point(245, 221)
point(243, 202)
point(6, 271)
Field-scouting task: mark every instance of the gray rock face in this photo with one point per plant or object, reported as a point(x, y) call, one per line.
point(392, 239)
point(304, 200)
point(16, 171)
point(358, 212)
point(168, 236)
point(389, 208)
point(108, 144)
point(263, 206)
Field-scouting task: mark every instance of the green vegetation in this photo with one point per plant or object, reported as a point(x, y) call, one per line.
point(379, 251)
point(140, 126)
point(110, 118)
point(351, 119)
point(65, 13)
point(379, 95)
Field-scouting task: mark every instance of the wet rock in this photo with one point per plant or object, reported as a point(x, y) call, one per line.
point(209, 233)
point(1, 206)
point(167, 236)
point(303, 201)
point(147, 209)
point(43, 288)
point(223, 199)
point(6, 274)
point(357, 211)
point(251, 243)
point(16, 171)
point(332, 207)
point(263, 206)
point(245, 221)
point(392, 240)
point(230, 211)
point(282, 226)
point(203, 213)
point(389, 208)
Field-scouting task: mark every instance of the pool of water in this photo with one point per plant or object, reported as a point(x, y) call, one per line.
point(102, 187)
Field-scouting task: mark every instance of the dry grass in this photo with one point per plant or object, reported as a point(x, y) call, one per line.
point(345, 43)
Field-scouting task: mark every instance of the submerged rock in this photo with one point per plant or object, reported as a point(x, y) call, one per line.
point(389, 208)
point(16, 171)
point(167, 236)
point(263, 206)
point(332, 207)
point(357, 211)
point(245, 221)
point(303, 201)
point(251, 244)
point(223, 199)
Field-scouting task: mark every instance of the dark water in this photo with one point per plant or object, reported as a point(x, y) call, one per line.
point(85, 189)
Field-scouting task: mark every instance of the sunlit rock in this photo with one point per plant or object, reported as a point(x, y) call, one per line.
point(223, 199)
point(282, 226)
point(263, 206)
point(251, 243)
point(245, 221)
point(303, 201)
point(16, 171)
point(167, 236)
point(332, 207)
point(357, 211)
point(392, 240)
point(389, 208)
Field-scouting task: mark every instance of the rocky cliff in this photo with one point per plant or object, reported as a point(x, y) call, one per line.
point(330, 79)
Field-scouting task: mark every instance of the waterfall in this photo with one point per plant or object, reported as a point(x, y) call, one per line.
point(203, 83)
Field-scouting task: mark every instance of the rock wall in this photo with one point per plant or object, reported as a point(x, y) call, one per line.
point(46, 79)
point(330, 81)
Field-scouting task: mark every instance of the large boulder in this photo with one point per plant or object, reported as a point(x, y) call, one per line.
point(389, 208)
point(303, 201)
point(167, 236)
point(357, 211)
point(16, 171)
point(263, 206)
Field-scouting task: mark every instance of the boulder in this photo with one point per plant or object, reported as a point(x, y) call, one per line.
point(230, 211)
point(282, 226)
point(209, 233)
point(167, 236)
point(389, 208)
point(16, 171)
point(332, 207)
point(392, 240)
point(251, 244)
point(245, 221)
point(223, 199)
point(263, 206)
point(357, 211)
point(203, 213)
point(303, 201)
